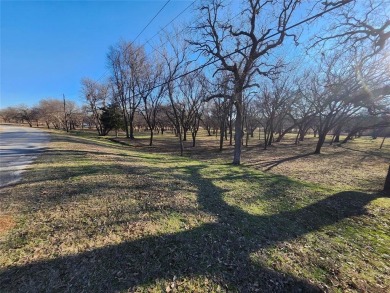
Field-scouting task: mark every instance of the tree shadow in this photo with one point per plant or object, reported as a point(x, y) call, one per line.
point(371, 153)
point(272, 164)
point(219, 250)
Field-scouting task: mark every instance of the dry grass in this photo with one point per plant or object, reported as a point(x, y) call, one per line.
point(6, 223)
point(97, 216)
point(356, 165)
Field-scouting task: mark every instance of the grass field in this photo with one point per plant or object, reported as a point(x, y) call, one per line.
point(92, 215)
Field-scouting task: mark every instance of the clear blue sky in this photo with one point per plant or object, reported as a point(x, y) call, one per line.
point(47, 47)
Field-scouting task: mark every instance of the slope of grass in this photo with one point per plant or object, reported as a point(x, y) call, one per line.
point(101, 217)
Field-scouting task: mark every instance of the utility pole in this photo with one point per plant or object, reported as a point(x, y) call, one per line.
point(65, 115)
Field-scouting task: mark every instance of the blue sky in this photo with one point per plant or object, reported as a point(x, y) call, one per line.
point(47, 47)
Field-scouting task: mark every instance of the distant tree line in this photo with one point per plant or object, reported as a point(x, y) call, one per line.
point(250, 83)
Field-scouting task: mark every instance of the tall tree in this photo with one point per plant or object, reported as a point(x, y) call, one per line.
point(242, 45)
point(345, 86)
point(127, 62)
point(274, 104)
point(152, 89)
point(192, 92)
point(176, 65)
point(96, 95)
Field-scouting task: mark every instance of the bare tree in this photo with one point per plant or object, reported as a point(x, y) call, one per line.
point(343, 89)
point(9, 114)
point(69, 116)
point(222, 106)
point(28, 114)
point(251, 117)
point(190, 107)
point(362, 25)
point(50, 112)
point(208, 120)
point(274, 104)
point(127, 62)
point(241, 47)
point(152, 94)
point(176, 65)
point(303, 112)
point(96, 95)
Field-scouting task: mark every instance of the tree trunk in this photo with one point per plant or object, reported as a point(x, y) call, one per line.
point(208, 128)
point(302, 134)
point(349, 136)
point(321, 140)
point(383, 140)
point(387, 181)
point(193, 138)
point(151, 137)
point(181, 144)
point(283, 133)
point(238, 132)
point(131, 135)
point(336, 136)
point(271, 138)
point(231, 136)
point(221, 136)
point(297, 138)
point(265, 138)
point(230, 129)
point(126, 125)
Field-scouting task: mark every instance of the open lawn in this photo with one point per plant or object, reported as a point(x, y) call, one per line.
point(92, 215)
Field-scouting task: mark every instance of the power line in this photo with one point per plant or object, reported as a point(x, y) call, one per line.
point(232, 53)
point(147, 41)
point(140, 33)
point(156, 49)
point(166, 3)
point(179, 32)
point(248, 46)
point(176, 17)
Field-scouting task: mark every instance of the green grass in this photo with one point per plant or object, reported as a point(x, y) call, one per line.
point(97, 216)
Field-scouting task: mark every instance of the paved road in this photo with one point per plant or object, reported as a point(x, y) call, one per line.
point(19, 146)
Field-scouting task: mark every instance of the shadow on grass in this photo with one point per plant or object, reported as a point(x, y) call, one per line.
point(270, 165)
point(220, 251)
point(376, 153)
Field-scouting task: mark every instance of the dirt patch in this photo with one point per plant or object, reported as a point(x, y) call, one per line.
point(6, 223)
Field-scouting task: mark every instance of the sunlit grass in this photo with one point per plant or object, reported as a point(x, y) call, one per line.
point(88, 194)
